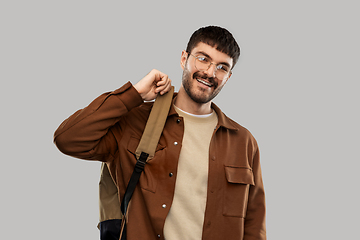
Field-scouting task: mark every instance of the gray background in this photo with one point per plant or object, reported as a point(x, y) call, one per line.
point(295, 88)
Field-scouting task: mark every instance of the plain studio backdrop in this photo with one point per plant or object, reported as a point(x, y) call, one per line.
point(295, 87)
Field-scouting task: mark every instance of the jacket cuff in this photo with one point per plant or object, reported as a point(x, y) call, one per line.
point(129, 96)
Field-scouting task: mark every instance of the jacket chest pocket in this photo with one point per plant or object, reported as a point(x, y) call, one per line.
point(236, 190)
point(147, 179)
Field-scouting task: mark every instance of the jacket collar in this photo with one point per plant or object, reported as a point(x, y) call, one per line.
point(224, 121)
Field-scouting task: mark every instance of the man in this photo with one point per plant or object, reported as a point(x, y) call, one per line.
point(205, 179)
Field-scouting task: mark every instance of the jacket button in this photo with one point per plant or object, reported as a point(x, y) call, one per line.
point(164, 206)
point(171, 174)
point(158, 236)
point(175, 143)
point(178, 120)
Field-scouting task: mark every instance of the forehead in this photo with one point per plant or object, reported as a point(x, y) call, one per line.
point(212, 52)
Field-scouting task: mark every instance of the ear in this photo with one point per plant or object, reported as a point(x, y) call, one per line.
point(184, 56)
point(229, 76)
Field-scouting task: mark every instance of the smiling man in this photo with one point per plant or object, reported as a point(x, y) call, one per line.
point(205, 72)
point(204, 181)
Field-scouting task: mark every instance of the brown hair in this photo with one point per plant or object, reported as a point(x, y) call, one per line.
point(217, 37)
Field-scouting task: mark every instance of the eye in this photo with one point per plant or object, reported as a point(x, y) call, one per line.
point(222, 68)
point(202, 59)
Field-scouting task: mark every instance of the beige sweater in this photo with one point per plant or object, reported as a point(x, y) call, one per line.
point(186, 216)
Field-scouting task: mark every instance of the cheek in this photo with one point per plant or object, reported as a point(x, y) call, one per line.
point(222, 83)
point(190, 70)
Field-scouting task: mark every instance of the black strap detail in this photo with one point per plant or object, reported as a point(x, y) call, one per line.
point(139, 168)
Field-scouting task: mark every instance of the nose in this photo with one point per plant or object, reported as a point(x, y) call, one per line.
point(211, 71)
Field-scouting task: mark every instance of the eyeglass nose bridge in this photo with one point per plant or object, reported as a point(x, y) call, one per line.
point(215, 68)
point(208, 67)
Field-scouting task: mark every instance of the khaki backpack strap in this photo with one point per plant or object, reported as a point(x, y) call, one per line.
point(147, 146)
point(155, 125)
point(109, 203)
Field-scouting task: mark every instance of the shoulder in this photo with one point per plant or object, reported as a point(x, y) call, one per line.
point(236, 132)
point(135, 120)
point(141, 112)
point(228, 123)
point(238, 141)
point(242, 131)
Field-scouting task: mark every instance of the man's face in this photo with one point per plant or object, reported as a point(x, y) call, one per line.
point(203, 86)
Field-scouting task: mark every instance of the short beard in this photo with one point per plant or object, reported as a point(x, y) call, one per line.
point(198, 97)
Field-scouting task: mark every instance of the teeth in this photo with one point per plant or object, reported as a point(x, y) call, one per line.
point(203, 82)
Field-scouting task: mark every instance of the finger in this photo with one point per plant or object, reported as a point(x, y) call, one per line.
point(163, 80)
point(159, 89)
point(166, 88)
point(163, 83)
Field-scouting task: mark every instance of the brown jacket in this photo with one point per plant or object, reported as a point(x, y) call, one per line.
point(109, 130)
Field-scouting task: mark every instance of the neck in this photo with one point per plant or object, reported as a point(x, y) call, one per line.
point(185, 103)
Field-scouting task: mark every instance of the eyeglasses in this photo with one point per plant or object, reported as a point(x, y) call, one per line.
point(203, 63)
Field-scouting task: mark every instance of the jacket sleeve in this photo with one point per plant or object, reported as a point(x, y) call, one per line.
point(86, 134)
point(254, 228)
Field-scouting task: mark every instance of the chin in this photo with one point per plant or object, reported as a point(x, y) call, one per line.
point(200, 96)
point(197, 94)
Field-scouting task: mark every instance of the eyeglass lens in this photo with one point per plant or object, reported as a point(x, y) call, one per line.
point(202, 64)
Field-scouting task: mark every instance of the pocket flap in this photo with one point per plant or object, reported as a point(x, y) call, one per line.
point(239, 175)
point(134, 142)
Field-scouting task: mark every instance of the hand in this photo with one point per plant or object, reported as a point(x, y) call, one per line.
point(154, 83)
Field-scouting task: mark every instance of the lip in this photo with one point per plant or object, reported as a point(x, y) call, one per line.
point(204, 82)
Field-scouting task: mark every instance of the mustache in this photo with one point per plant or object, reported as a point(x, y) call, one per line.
point(211, 80)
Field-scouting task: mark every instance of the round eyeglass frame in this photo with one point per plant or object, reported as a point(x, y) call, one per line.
point(216, 69)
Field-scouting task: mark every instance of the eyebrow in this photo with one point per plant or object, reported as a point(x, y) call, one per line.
point(207, 55)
